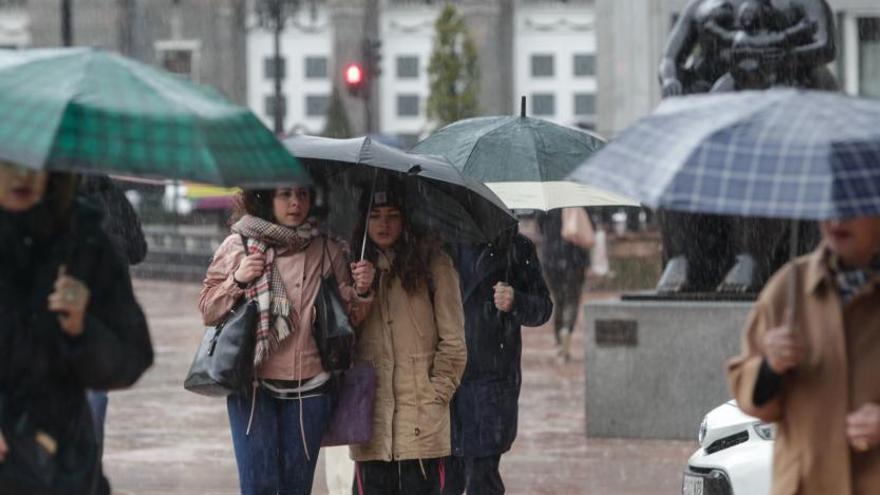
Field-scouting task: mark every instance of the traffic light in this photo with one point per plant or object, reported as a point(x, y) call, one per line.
point(372, 54)
point(354, 79)
point(359, 76)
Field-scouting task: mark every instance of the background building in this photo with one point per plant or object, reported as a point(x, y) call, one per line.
point(555, 61)
point(509, 35)
point(587, 63)
point(202, 40)
point(15, 28)
point(306, 69)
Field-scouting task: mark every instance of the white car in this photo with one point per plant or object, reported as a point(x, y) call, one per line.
point(735, 455)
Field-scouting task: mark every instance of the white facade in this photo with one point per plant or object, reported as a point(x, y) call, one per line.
point(407, 34)
point(555, 61)
point(15, 28)
point(307, 52)
point(859, 54)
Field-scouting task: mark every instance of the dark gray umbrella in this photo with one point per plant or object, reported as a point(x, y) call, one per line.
point(438, 196)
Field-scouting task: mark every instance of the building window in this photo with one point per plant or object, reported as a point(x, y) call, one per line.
point(316, 67)
point(543, 104)
point(584, 104)
point(316, 105)
point(407, 67)
point(407, 105)
point(584, 64)
point(269, 67)
point(869, 56)
point(542, 65)
point(269, 106)
point(179, 57)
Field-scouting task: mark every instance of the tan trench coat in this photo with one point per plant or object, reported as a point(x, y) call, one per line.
point(418, 351)
point(841, 373)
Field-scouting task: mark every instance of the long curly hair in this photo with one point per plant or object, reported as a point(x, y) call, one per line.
point(413, 253)
point(254, 202)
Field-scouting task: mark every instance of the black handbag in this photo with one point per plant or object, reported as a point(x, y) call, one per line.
point(332, 329)
point(224, 362)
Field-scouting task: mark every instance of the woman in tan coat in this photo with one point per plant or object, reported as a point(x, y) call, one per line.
point(277, 426)
point(816, 372)
point(414, 338)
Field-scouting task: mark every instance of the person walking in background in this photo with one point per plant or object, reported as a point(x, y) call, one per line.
point(502, 289)
point(812, 368)
point(278, 425)
point(414, 337)
point(565, 257)
point(70, 322)
point(121, 224)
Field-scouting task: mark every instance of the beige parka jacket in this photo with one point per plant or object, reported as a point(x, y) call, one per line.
point(416, 344)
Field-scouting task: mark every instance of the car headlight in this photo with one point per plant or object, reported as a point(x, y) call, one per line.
point(701, 435)
point(767, 431)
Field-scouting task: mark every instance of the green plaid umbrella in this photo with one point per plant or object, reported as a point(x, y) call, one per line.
point(85, 110)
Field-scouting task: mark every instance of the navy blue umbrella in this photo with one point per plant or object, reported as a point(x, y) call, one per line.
point(778, 153)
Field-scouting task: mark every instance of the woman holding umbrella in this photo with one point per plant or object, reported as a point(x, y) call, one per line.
point(813, 371)
point(70, 322)
point(414, 337)
point(277, 427)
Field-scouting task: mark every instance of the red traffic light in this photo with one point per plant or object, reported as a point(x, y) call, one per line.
point(354, 75)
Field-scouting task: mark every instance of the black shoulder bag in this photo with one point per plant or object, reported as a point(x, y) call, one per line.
point(224, 362)
point(331, 329)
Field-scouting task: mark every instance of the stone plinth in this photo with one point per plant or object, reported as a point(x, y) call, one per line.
point(654, 368)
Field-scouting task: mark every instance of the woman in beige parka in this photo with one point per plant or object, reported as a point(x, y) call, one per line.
point(414, 338)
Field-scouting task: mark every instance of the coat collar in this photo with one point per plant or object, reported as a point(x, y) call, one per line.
point(817, 272)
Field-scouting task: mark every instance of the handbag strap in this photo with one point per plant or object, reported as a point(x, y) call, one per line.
point(244, 243)
point(325, 251)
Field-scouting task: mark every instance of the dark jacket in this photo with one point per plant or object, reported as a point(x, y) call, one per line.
point(120, 221)
point(44, 372)
point(484, 409)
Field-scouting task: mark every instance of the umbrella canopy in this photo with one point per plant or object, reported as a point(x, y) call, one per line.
point(779, 153)
point(85, 110)
point(439, 197)
point(524, 160)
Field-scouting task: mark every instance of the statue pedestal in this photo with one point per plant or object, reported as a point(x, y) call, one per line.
point(655, 367)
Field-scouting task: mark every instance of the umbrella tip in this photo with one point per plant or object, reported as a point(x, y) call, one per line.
point(522, 106)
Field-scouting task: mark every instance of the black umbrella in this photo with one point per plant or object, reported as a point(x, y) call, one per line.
point(439, 198)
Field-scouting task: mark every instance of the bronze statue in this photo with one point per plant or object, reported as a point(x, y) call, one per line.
point(732, 45)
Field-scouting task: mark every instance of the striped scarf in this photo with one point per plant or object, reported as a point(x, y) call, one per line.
point(278, 319)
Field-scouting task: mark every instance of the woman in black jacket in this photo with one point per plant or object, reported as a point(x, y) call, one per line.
point(68, 321)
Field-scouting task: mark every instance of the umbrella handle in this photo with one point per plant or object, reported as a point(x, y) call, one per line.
point(792, 295)
point(367, 219)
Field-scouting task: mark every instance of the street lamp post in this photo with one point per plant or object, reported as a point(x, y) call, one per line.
point(272, 14)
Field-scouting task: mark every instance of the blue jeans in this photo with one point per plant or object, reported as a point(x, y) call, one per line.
point(272, 459)
point(98, 404)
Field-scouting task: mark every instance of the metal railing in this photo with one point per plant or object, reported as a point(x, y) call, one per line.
point(179, 252)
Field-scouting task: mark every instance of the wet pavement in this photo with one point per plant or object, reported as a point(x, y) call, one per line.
point(161, 439)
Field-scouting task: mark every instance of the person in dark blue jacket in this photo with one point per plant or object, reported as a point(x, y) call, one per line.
point(502, 289)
